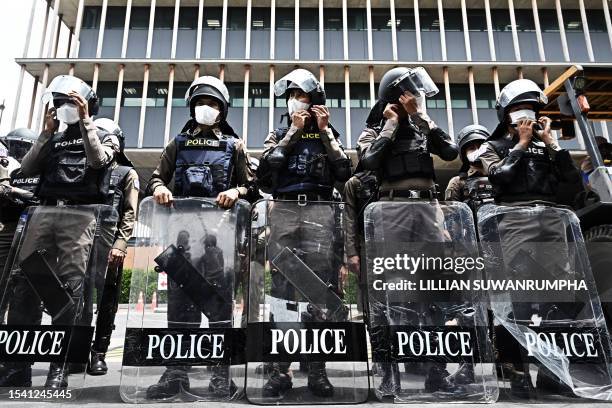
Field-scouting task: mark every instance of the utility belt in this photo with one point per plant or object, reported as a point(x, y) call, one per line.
point(430, 194)
point(56, 202)
point(305, 196)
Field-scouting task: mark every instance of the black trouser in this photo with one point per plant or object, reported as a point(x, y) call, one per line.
point(7, 233)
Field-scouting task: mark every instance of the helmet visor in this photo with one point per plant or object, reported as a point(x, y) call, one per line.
point(300, 78)
point(415, 81)
point(64, 84)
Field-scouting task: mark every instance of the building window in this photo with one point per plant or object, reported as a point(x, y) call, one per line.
point(356, 19)
point(548, 20)
point(453, 20)
point(236, 18)
point(524, 20)
point(500, 19)
point(381, 19)
point(334, 95)
point(91, 17)
point(572, 20)
point(309, 19)
point(212, 18)
point(259, 95)
point(477, 19)
point(429, 21)
point(404, 19)
point(236, 93)
point(360, 96)
point(178, 94)
point(115, 18)
point(164, 18)
point(260, 18)
point(285, 19)
point(438, 101)
point(132, 94)
point(597, 21)
point(460, 96)
point(139, 19)
point(332, 19)
point(107, 94)
point(188, 18)
point(485, 96)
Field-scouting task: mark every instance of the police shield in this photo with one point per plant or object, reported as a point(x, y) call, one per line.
point(45, 342)
point(549, 330)
point(428, 326)
point(183, 338)
point(306, 339)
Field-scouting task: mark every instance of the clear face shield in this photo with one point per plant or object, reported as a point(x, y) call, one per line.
point(63, 85)
point(300, 77)
point(416, 81)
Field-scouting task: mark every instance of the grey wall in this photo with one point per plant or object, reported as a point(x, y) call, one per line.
point(455, 45)
point(155, 127)
point(186, 44)
point(113, 40)
point(381, 44)
point(284, 49)
point(162, 44)
point(180, 116)
point(479, 46)
point(487, 118)
point(528, 44)
point(439, 117)
point(260, 44)
point(258, 127)
point(461, 118)
point(432, 49)
point(129, 119)
point(358, 118)
point(601, 47)
point(338, 119)
point(137, 44)
point(333, 44)
point(577, 47)
point(309, 45)
point(234, 117)
point(235, 44)
point(406, 45)
point(211, 44)
point(504, 47)
point(88, 43)
point(552, 46)
point(358, 45)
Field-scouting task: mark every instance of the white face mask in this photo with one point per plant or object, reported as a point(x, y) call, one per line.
point(523, 114)
point(68, 113)
point(206, 115)
point(474, 156)
point(293, 105)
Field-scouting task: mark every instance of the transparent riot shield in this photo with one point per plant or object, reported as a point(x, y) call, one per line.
point(183, 339)
point(45, 343)
point(306, 341)
point(550, 334)
point(428, 324)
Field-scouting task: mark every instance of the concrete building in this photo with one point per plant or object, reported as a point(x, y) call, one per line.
point(142, 55)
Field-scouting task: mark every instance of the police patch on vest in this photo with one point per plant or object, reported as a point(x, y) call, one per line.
point(45, 343)
point(311, 135)
point(67, 143)
point(201, 142)
point(177, 347)
point(315, 341)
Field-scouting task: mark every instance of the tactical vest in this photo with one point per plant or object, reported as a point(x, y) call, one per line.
point(368, 193)
point(407, 157)
point(10, 211)
point(115, 197)
point(477, 190)
point(204, 166)
point(536, 177)
point(308, 169)
point(66, 174)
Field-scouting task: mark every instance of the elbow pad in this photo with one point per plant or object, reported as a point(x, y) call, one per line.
point(372, 157)
point(342, 169)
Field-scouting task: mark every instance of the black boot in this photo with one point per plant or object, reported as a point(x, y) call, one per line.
point(16, 375)
point(220, 383)
point(464, 375)
point(278, 382)
point(318, 383)
point(520, 381)
point(437, 380)
point(57, 376)
point(390, 384)
point(170, 384)
point(549, 383)
point(97, 365)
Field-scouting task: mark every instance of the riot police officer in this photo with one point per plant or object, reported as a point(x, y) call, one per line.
point(73, 165)
point(397, 144)
point(16, 193)
point(525, 165)
point(302, 162)
point(123, 196)
point(207, 159)
point(471, 186)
